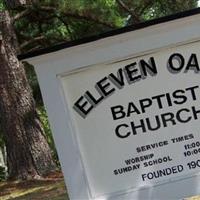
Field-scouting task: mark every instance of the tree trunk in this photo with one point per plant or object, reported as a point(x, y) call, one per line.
point(28, 153)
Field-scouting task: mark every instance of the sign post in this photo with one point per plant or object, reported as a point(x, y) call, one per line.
point(125, 111)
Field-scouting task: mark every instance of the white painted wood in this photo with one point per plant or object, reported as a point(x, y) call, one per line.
point(52, 66)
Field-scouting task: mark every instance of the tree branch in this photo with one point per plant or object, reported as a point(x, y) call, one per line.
point(69, 13)
point(67, 27)
point(79, 15)
point(122, 4)
point(126, 8)
point(88, 17)
point(18, 4)
point(21, 14)
point(36, 39)
point(47, 8)
point(148, 3)
point(35, 48)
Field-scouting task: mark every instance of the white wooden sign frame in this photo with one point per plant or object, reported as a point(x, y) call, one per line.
point(50, 67)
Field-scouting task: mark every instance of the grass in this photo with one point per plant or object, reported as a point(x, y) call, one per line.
point(51, 188)
point(46, 189)
point(193, 198)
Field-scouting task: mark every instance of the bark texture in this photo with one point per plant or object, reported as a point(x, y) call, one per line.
point(29, 155)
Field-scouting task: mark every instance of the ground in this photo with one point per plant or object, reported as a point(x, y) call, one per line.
point(194, 198)
point(50, 188)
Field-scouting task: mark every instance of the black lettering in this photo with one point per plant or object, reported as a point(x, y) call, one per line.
point(156, 127)
point(158, 98)
point(118, 112)
point(131, 109)
point(119, 134)
point(145, 103)
point(148, 67)
point(168, 117)
point(117, 80)
point(178, 116)
point(131, 72)
point(134, 127)
point(169, 101)
point(192, 91)
point(81, 107)
point(195, 112)
point(181, 61)
point(103, 87)
point(94, 101)
point(192, 63)
point(177, 95)
point(115, 172)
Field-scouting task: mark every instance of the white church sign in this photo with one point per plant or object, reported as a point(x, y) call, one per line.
point(125, 111)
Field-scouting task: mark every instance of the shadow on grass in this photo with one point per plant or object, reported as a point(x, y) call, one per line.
point(34, 190)
point(50, 192)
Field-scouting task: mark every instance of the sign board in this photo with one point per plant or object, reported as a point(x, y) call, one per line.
point(125, 112)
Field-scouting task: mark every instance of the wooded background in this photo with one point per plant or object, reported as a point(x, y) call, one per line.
point(28, 25)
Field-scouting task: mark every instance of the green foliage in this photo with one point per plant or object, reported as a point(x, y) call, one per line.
point(2, 142)
point(2, 173)
point(32, 78)
point(162, 8)
point(150, 9)
point(2, 5)
point(65, 20)
point(43, 117)
point(69, 20)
